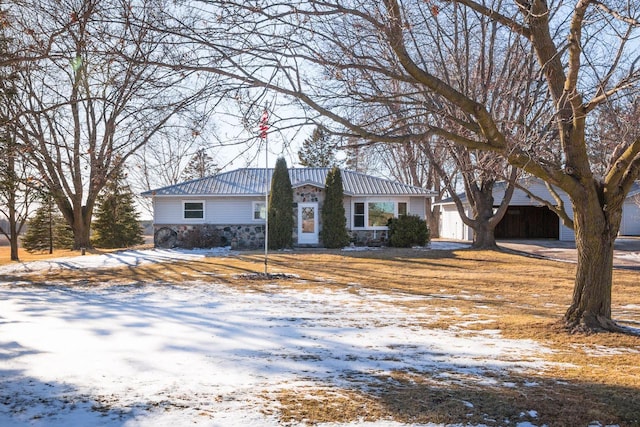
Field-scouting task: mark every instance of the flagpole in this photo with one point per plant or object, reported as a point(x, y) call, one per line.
point(264, 135)
point(266, 205)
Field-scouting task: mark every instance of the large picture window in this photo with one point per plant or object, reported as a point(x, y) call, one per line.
point(376, 214)
point(380, 213)
point(193, 210)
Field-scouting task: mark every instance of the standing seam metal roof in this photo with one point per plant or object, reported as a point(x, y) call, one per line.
point(254, 181)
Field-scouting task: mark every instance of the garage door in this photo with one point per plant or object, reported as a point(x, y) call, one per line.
point(528, 222)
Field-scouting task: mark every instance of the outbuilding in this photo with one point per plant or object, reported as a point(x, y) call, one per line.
point(528, 218)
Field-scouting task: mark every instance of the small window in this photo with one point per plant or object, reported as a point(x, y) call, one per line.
point(358, 214)
point(259, 211)
point(402, 208)
point(193, 210)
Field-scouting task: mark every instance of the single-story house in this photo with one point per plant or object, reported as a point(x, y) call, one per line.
point(229, 208)
point(527, 218)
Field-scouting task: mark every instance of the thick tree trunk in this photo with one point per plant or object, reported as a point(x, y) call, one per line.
point(434, 221)
point(81, 235)
point(590, 309)
point(483, 226)
point(484, 236)
point(81, 229)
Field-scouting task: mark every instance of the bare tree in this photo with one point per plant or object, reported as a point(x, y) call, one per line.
point(16, 195)
point(316, 52)
point(86, 110)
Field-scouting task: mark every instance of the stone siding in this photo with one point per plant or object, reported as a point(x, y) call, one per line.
point(245, 236)
point(369, 237)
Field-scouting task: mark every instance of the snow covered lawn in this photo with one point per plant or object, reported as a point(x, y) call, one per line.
point(205, 354)
point(202, 353)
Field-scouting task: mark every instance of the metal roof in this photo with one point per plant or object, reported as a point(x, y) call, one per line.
point(525, 182)
point(254, 181)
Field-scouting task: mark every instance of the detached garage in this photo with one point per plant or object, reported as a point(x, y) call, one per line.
point(526, 218)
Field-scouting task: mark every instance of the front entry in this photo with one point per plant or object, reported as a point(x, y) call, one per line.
point(307, 223)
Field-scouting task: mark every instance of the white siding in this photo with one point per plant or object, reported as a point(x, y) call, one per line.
point(567, 234)
point(226, 210)
point(346, 201)
point(167, 211)
point(520, 198)
point(630, 225)
point(451, 225)
point(232, 210)
point(417, 206)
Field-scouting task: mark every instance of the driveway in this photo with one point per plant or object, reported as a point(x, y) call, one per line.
point(626, 252)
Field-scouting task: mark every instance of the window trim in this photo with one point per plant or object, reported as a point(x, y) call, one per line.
point(406, 208)
point(394, 213)
point(253, 210)
point(184, 210)
point(363, 215)
point(366, 202)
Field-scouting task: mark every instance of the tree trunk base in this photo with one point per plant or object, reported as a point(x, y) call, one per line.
point(595, 324)
point(490, 246)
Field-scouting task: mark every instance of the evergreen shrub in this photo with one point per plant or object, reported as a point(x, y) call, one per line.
point(334, 221)
point(407, 231)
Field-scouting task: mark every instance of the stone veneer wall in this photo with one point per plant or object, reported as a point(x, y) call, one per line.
point(245, 236)
point(369, 237)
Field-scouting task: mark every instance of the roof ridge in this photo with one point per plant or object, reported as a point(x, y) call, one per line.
point(252, 181)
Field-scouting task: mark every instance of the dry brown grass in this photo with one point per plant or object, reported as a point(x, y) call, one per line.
point(5, 253)
point(595, 377)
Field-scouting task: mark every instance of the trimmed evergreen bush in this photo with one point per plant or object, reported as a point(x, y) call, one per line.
point(407, 231)
point(281, 208)
point(116, 223)
point(334, 222)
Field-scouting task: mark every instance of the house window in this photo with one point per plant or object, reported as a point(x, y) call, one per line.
point(380, 213)
point(193, 210)
point(358, 214)
point(377, 214)
point(259, 211)
point(402, 208)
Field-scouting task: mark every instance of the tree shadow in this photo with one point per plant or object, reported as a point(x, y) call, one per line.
point(28, 400)
point(414, 397)
point(297, 335)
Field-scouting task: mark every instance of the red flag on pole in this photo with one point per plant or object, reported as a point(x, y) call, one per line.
point(264, 126)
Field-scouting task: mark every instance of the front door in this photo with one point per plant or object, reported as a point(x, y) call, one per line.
point(307, 223)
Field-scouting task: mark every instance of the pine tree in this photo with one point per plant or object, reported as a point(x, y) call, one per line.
point(281, 208)
point(201, 165)
point(318, 151)
point(47, 230)
point(116, 223)
point(334, 220)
